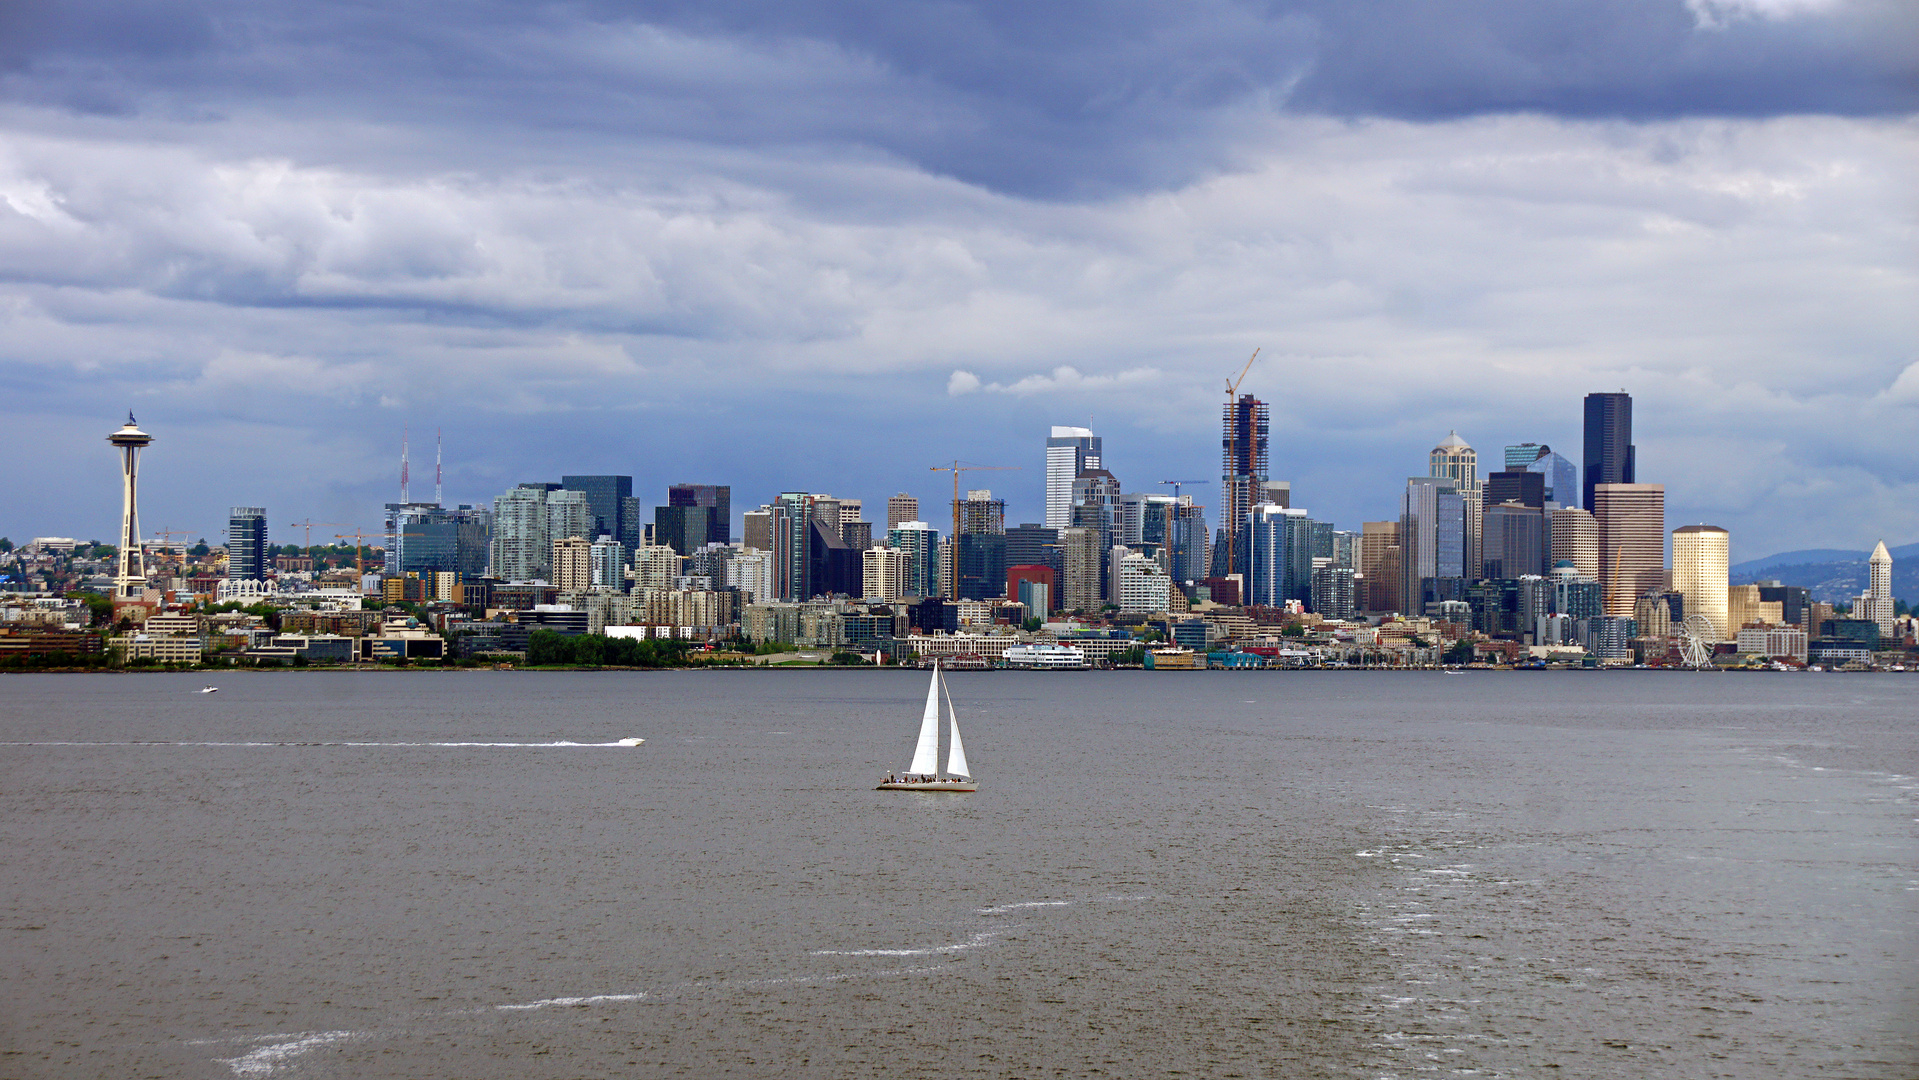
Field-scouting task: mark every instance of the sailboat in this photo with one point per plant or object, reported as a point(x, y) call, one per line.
point(924, 773)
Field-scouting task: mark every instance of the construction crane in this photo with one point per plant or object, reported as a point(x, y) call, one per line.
point(359, 559)
point(1170, 512)
point(957, 468)
point(310, 523)
point(1230, 507)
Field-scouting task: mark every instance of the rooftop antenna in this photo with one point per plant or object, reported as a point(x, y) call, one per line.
point(439, 499)
point(403, 488)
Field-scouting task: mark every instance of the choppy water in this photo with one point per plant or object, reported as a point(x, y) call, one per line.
point(1164, 874)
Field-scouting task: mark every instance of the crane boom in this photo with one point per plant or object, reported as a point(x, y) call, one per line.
point(1229, 507)
point(957, 468)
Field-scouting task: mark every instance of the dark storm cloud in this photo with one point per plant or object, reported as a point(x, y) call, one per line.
point(1047, 99)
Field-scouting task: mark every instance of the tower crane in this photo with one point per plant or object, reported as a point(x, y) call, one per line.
point(308, 525)
point(957, 468)
point(359, 559)
point(1230, 503)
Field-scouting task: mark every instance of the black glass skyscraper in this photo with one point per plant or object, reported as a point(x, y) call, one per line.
point(1609, 449)
point(604, 495)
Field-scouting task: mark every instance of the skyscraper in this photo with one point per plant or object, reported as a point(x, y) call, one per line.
point(694, 516)
point(1609, 448)
point(569, 513)
point(1575, 539)
point(604, 495)
point(1524, 454)
point(1632, 542)
point(424, 538)
point(1459, 462)
point(920, 542)
point(247, 544)
point(1069, 452)
point(1432, 538)
point(1246, 428)
point(131, 580)
point(1080, 551)
point(1280, 556)
point(904, 507)
point(522, 537)
point(1562, 477)
point(1517, 541)
point(1379, 565)
point(1700, 556)
point(1877, 603)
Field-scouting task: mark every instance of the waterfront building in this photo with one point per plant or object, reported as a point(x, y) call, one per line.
point(1700, 561)
point(1379, 565)
point(1070, 451)
point(902, 508)
point(883, 574)
point(1459, 462)
point(130, 578)
point(1632, 542)
point(1575, 539)
point(920, 542)
point(1610, 455)
point(1773, 642)
point(605, 501)
point(1432, 539)
point(247, 544)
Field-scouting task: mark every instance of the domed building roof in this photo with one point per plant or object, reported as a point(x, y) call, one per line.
point(1452, 443)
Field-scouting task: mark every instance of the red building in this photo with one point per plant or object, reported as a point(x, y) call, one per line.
point(1038, 575)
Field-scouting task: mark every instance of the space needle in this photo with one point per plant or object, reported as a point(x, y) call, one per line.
point(131, 581)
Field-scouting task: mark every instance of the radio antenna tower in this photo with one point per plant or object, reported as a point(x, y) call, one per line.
point(438, 498)
point(403, 439)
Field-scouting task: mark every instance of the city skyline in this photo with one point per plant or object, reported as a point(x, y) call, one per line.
point(599, 241)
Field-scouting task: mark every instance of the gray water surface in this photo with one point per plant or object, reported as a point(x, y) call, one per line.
point(1163, 874)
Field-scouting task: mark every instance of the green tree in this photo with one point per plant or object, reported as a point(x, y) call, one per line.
point(99, 607)
point(1293, 630)
point(1032, 624)
point(1460, 652)
point(200, 550)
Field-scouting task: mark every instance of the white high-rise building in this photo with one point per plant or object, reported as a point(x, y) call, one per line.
point(1576, 540)
point(655, 566)
point(1069, 451)
point(751, 572)
point(1700, 561)
point(1139, 584)
point(1876, 603)
point(570, 514)
point(1459, 462)
point(573, 564)
point(884, 573)
point(522, 547)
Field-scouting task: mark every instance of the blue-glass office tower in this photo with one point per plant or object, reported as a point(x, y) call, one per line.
point(604, 495)
point(1432, 539)
point(1280, 541)
point(1609, 448)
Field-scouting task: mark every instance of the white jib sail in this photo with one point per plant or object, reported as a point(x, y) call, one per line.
point(955, 753)
point(926, 755)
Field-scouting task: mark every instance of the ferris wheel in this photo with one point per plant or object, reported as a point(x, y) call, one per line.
point(1696, 638)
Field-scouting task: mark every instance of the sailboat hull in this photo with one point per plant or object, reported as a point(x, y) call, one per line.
point(955, 786)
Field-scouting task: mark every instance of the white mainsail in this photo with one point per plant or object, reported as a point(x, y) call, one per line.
point(927, 753)
point(955, 753)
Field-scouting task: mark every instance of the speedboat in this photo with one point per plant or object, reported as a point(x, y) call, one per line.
point(209, 690)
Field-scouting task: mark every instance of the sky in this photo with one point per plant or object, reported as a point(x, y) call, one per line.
point(827, 246)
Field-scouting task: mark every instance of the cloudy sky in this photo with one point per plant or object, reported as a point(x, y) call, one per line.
point(825, 246)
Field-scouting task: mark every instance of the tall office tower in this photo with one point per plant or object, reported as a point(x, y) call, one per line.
point(131, 578)
point(756, 529)
point(1458, 462)
point(1246, 429)
point(1035, 545)
point(694, 516)
point(573, 564)
point(854, 528)
point(1379, 565)
point(633, 528)
point(921, 543)
point(1080, 591)
point(1632, 542)
point(1345, 548)
point(522, 537)
point(1273, 493)
point(247, 544)
point(1876, 604)
point(1517, 541)
point(1188, 543)
point(792, 530)
point(903, 507)
point(608, 569)
point(604, 499)
point(1700, 559)
point(1096, 507)
point(1528, 488)
point(1609, 449)
point(1524, 454)
point(883, 574)
point(569, 512)
point(1280, 556)
point(1562, 478)
point(1141, 519)
point(981, 546)
point(1575, 540)
point(1069, 452)
point(1432, 539)
point(425, 538)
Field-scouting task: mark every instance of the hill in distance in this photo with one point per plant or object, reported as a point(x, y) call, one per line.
point(1832, 574)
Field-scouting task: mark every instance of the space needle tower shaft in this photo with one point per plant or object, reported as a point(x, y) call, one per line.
point(131, 580)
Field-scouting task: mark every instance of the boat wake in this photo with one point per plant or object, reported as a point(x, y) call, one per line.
point(977, 941)
point(556, 744)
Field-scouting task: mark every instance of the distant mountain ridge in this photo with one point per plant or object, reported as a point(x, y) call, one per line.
point(1833, 574)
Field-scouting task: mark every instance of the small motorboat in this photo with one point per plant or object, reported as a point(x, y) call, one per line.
point(209, 690)
point(631, 742)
